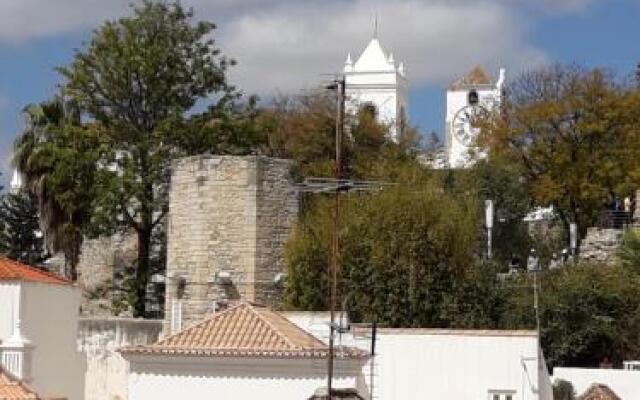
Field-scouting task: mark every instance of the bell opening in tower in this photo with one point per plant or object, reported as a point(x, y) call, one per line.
point(472, 98)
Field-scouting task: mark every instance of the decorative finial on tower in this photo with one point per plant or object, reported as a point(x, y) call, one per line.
point(501, 78)
point(348, 64)
point(348, 61)
point(390, 59)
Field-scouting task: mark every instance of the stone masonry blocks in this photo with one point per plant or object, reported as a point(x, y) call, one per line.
point(232, 214)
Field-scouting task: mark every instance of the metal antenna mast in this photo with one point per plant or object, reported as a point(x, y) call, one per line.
point(337, 185)
point(335, 250)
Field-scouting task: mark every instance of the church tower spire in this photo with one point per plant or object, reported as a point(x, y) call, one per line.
point(374, 80)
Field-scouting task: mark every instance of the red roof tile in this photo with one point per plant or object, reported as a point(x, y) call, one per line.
point(476, 77)
point(244, 331)
point(14, 271)
point(598, 391)
point(12, 389)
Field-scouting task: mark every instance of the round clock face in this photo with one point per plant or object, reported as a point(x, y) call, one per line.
point(462, 125)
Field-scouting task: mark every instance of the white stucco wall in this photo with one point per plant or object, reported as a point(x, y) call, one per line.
point(106, 376)
point(50, 321)
point(387, 91)
point(625, 384)
point(443, 364)
point(455, 366)
point(228, 378)
point(8, 300)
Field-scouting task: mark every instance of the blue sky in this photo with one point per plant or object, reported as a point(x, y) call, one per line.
point(284, 46)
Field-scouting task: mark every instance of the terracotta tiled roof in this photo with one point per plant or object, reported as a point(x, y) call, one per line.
point(14, 271)
point(598, 391)
point(476, 77)
point(244, 331)
point(12, 389)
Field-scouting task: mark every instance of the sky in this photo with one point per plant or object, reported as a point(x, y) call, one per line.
point(287, 46)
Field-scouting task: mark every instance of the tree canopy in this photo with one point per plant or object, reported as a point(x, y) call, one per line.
point(573, 132)
point(21, 238)
point(406, 258)
point(146, 88)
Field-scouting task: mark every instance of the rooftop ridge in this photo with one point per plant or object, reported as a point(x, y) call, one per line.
point(275, 329)
point(477, 76)
point(244, 330)
point(312, 339)
point(162, 341)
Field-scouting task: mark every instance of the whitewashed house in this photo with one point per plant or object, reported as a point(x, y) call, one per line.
point(244, 352)
point(443, 363)
point(38, 328)
point(459, 365)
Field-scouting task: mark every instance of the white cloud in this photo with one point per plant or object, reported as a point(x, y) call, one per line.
point(289, 48)
point(287, 45)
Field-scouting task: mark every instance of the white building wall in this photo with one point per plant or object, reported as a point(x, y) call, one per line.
point(50, 323)
point(8, 300)
point(455, 367)
point(442, 364)
point(107, 372)
point(237, 379)
point(624, 383)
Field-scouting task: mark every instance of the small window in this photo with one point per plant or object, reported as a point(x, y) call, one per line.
point(473, 98)
point(501, 394)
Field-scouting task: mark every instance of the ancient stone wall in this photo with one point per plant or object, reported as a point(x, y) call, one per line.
point(99, 338)
point(600, 245)
point(101, 261)
point(229, 215)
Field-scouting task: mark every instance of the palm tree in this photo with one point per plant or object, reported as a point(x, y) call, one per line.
point(37, 156)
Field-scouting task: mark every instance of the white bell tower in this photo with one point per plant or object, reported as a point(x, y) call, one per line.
point(466, 97)
point(376, 80)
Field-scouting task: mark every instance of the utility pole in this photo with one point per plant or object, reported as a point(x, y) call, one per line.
point(336, 186)
point(335, 251)
point(536, 306)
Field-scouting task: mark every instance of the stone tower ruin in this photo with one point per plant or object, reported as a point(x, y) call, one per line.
point(229, 218)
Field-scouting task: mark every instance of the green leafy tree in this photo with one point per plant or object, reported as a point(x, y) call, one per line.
point(20, 234)
point(563, 390)
point(629, 251)
point(573, 133)
point(406, 259)
point(138, 81)
point(587, 313)
point(303, 128)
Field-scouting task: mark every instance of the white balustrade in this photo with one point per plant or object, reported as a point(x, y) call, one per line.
point(17, 361)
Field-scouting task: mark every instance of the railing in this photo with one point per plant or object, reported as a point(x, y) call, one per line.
point(16, 361)
point(615, 219)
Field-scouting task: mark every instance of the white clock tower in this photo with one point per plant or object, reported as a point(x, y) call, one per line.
point(465, 98)
point(375, 80)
